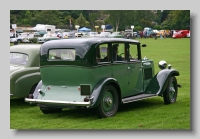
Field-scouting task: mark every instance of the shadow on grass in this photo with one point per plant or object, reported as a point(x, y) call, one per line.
point(69, 113)
point(142, 104)
point(92, 113)
point(16, 102)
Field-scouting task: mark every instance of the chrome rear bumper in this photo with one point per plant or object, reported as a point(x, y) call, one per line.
point(57, 103)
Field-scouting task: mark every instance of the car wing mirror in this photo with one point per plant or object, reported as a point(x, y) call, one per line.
point(144, 45)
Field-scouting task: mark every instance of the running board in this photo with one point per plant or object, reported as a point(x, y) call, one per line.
point(137, 97)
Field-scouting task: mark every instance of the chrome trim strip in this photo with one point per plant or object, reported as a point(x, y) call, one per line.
point(124, 102)
point(56, 102)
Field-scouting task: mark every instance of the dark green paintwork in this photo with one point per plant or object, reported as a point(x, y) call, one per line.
point(61, 79)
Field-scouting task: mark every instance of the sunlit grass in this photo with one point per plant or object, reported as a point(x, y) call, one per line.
point(146, 114)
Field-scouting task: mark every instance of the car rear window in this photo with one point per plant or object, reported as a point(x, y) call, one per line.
point(18, 58)
point(62, 54)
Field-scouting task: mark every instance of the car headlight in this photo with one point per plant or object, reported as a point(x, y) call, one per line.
point(162, 64)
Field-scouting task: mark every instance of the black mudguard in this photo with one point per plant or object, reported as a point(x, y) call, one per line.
point(97, 91)
point(159, 82)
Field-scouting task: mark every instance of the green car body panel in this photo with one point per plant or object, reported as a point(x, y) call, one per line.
point(24, 77)
point(71, 81)
point(159, 82)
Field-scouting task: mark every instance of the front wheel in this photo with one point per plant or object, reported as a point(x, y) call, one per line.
point(171, 91)
point(109, 102)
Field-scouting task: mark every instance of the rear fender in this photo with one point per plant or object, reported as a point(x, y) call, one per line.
point(159, 82)
point(24, 84)
point(97, 91)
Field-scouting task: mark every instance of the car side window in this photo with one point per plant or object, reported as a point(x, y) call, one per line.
point(133, 53)
point(118, 52)
point(102, 53)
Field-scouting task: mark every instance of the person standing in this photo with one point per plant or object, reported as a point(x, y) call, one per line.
point(164, 34)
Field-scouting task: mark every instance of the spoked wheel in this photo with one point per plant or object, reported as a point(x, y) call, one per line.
point(49, 110)
point(171, 91)
point(109, 102)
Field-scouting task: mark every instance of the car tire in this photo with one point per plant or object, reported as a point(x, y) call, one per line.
point(50, 110)
point(170, 94)
point(18, 41)
point(109, 102)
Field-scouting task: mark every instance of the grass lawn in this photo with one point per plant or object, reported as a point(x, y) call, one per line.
point(145, 114)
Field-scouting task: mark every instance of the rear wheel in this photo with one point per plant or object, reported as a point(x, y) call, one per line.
point(171, 91)
point(109, 102)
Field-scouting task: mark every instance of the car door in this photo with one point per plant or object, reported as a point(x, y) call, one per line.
point(120, 69)
point(135, 76)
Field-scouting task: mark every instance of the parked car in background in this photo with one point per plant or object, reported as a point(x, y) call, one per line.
point(181, 34)
point(166, 32)
point(78, 34)
point(20, 37)
point(12, 35)
point(24, 69)
point(34, 37)
point(105, 34)
point(155, 31)
point(188, 34)
point(66, 35)
point(128, 33)
point(93, 34)
point(42, 32)
point(116, 35)
point(84, 34)
point(47, 37)
point(123, 77)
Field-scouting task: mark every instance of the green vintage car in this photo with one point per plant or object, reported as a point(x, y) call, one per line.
point(47, 37)
point(34, 38)
point(24, 69)
point(86, 72)
point(116, 35)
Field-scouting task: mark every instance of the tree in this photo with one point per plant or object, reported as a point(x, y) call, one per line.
point(177, 19)
point(92, 18)
point(116, 18)
point(81, 21)
point(47, 17)
point(144, 18)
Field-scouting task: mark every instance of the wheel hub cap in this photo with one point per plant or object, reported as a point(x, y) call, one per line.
point(108, 101)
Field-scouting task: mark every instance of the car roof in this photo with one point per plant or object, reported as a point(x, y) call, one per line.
point(32, 50)
point(82, 42)
point(25, 48)
point(82, 45)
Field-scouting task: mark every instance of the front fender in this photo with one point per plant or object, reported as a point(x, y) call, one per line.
point(97, 91)
point(159, 82)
